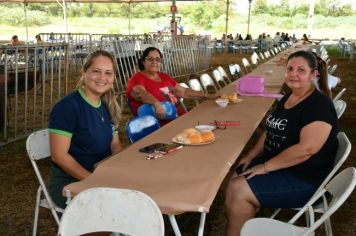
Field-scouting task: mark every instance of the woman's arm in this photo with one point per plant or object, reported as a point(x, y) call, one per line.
point(254, 152)
point(116, 146)
point(140, 94)
point(312, 137)
point(189, 93)
point(59, 153)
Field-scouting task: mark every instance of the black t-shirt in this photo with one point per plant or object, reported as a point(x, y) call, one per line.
point(283, 128)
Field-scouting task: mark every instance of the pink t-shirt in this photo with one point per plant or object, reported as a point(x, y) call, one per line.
point(163, 90)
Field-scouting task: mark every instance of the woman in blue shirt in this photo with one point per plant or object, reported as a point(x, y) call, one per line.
point(83, 125)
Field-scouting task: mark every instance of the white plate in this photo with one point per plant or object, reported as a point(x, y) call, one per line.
point(174, 140)
point(204, 128)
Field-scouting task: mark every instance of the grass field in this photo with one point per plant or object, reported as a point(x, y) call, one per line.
point(324, 27)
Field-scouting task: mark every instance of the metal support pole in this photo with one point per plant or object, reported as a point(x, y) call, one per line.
point(26, 23)
point(249, 15)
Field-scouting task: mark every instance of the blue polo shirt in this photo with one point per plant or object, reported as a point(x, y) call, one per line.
point(88, 125)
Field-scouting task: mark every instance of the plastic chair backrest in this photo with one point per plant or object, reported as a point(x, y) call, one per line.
point(195, 85)
point(102, 209)
point(141, 126)
point(184, 85)
point(223, 72)
point(339, 95)
point(37, 147)
point(219, 78)
point(238, 68)
point(246, 65)
point(261, 55)
point(343, 151)
point(206, 82)
point(340, 107)
point(340, 188)
point(332, 69)
point(266, 54)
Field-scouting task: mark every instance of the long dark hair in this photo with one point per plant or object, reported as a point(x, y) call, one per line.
point(145, 54)
point(323, 77)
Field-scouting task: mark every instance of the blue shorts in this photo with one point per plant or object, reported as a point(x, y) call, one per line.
point(279, 189)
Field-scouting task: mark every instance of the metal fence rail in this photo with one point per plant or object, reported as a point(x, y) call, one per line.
point(32, 79)
point(35, 77)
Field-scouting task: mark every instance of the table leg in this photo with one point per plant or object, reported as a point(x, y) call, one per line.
point(202, 223)
point(174, 224)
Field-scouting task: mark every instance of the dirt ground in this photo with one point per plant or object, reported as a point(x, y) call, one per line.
point(18, 183)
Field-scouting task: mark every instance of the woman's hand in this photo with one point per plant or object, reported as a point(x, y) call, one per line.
point(256, 170)
point(160, 111)
point(212, 96)
point(245, 162)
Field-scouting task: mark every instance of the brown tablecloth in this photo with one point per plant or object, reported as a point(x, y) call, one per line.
point(188, 180)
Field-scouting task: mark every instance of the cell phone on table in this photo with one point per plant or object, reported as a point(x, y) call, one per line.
point(169, 148)
point(153, 147)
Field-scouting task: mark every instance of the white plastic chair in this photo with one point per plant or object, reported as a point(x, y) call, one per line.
point(340, 188)
point(102, 209)
point(254, 60)
point(37, 146)
point(339, 95)
point(261, 55)
point(340, 107)
point(332, 69)
point(219, 79)
point(223, 72)
point(246, 65)
point(343, 151)
point(181, 100)
point(195, 85)
point(206, 81)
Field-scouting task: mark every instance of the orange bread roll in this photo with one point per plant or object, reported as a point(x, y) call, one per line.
point(190, 131)
point(195, 139)
point(208, 136)
point(233, 97)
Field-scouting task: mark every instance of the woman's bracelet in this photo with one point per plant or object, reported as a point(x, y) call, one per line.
point(265, 168)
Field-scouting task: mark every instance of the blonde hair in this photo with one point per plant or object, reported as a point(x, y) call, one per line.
point(109, 97)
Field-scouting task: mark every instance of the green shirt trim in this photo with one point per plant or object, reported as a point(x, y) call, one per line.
point(61, 132)
point(87, 99)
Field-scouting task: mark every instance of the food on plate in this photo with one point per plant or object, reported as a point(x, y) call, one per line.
point(208, 136)
point(192, 136)
point(195, 138)
point(191, 131)
point(224, 96)
point(233, 97)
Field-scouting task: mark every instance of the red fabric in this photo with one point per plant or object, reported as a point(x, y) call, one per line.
point(163, 91)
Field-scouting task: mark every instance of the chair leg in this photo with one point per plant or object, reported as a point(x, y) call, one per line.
point(37, 208)
point(327, 226)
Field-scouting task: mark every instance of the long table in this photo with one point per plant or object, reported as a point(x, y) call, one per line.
point(189, 179)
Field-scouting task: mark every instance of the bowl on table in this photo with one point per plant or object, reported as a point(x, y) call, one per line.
point(204, 128)
point(222, 102)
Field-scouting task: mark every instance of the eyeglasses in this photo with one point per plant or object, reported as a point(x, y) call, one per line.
point(153, 59)
point(219, 125)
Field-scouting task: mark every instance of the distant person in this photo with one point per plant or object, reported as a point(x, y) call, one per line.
point(51, 36)
point(15, 41)
point(39, 40)
point(306, 39)
point(150, 86)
